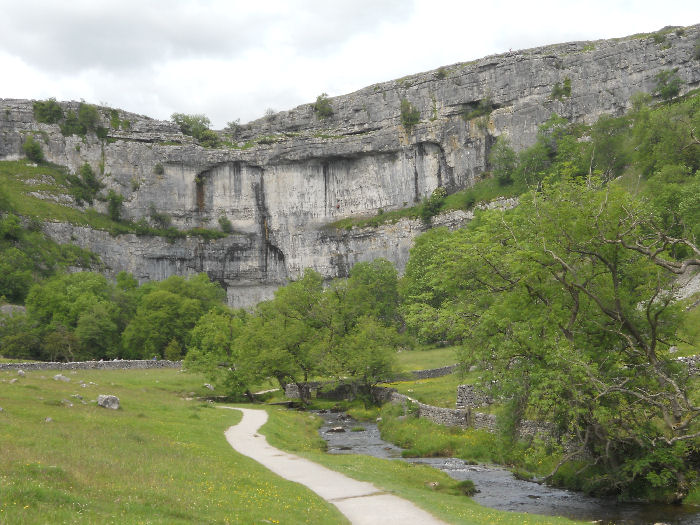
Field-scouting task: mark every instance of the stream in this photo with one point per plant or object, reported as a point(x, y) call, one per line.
point(498, 489)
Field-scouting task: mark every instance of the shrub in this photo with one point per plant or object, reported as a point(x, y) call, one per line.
point(32, 149)
point(88, 117)
point(503, 161)
point(481, 109)
point(196, 126)
point(441, 73)
point(158, 169)
point(160, 220)
point(225, 224)
point(410, 116)
point(208, 138)
point(70, 125)
point(114, 120)
point(559, 91)
point(322, 106)
point(431, 206)
point(668, 84)
point(48, 111)
point(173, 352)
point(696, 51)
point(84, 185)
point(233, 128)
point(114, 205)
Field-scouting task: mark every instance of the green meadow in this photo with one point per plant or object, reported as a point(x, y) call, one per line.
point(162, 458)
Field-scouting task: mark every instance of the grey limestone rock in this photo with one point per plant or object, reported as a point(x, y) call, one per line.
point(295, 175)
point(21, 373)
point(61, 377)
point(108, 401)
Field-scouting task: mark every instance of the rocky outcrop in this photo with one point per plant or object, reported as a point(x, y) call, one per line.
point(286, 178)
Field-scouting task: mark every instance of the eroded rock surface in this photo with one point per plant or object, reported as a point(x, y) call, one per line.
point(289, 176)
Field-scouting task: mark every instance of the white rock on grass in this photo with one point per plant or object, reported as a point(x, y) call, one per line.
point(61, 377)
point(108, 401)
point(21, 373)
point(207, 385)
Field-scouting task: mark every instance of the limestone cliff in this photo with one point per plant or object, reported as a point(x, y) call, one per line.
point(290, 175)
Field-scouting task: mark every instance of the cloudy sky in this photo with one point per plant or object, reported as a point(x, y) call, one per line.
point(233, 59)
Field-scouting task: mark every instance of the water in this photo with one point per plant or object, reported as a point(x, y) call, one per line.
point(498, 489)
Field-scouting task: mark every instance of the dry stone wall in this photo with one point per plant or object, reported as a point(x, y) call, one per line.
point(93, 365)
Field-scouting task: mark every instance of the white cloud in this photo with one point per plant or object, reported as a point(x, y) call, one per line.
point(234, 59)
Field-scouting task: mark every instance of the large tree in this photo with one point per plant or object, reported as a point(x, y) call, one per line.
point(567, 304)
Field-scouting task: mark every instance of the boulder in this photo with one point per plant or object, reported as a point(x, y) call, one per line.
point(108, 401)
point(21, 373)
point(207, 385)
point(336, 429)
point(61, 377)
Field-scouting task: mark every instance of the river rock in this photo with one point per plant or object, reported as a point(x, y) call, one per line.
point(336, 429)
point(108, 401)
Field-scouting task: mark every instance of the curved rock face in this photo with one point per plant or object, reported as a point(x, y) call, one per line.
point(290, 175)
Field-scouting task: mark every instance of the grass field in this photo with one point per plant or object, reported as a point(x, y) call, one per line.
point(439, 391)
point(162, 458)
point(424, 359)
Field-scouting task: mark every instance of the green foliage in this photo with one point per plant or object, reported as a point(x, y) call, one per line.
point(482, 108)
point(441, 73)
point(503, 161)
point(84, 184)
point(322, 107)
point(561, 91)
point(197, 126)
point(233, 128)
point(48, 111)
point(27, 256)
point(86, 120)
point(159, 219)
point(410, 116)
point(168, 310)
point(214, 352)
point(225, 224)
point(550, 299)
point(32, 149)
point(668, 84)
point(158, 169)
point(431, 206)
point(114, 205)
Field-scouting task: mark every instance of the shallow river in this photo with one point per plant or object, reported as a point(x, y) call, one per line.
point(498, 488)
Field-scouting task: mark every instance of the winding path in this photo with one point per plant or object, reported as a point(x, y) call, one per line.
point(361, 502)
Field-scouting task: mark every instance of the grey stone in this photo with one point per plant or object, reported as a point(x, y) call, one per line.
point(108, 401)
point(61, 377)
point(48, 419)
point(207, 385)
point(336, 429)
point(283, 193)
point(14, 380)
point(21, 373)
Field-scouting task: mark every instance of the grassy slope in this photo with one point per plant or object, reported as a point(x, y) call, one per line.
point(424, 359)
point(159, 459)
point(298, 433)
